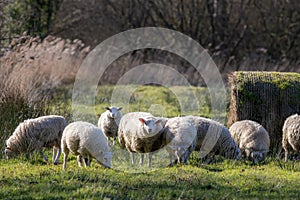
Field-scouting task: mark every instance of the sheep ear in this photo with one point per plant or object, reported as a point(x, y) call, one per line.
point(120, 108)
point(107, 108)
point(142, 120)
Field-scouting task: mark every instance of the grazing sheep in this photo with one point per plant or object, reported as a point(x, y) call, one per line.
point(109, 122)
point(291, 135)
point(34, 134)
point(180, 137)
point(214, 139)
point(140, 132)
point(252, 138)
point(86, 141)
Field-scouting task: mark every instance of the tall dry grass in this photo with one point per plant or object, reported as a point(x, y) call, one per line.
point(25, 93)
point(30, 76)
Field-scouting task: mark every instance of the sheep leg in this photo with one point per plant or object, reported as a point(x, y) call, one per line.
point(171, 162)
point(132, 158)
point(108, 141)
point(86, 161)
point(43, 155)
point(79, 160)
point(150, 159)
point(286, 154)
point(142, 159)
point(115, 138)
point(54, 154)
point(66, 153)
point(177, 156)
point(58, 152)
point(187, 156)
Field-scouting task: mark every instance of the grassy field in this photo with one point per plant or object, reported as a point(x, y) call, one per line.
point(23, 179)
point(160, 101)
point(34, 179)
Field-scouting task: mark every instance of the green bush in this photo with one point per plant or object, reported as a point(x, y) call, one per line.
point(33, 16)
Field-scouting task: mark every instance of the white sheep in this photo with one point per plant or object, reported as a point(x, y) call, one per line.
point(214, 139)
point(252, 138)
point(34, 134)
point(180, 138)
point(109, 122)
point(291, 135)
point(86, 141)
point(140, 132)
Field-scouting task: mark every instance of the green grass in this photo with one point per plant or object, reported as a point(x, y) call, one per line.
point(160, 101)
point(23, 179)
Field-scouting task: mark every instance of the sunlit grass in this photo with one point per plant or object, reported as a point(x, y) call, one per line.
point(160, 101)
point(25, 179)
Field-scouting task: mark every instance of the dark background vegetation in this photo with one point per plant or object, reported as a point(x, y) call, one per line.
point(239, 34)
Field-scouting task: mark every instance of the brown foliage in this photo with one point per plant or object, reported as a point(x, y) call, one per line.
point(32, 70)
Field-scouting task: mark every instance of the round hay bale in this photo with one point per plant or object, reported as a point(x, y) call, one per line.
point(266, 97)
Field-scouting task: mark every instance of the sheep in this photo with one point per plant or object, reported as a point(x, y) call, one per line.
point(214, 139)
point(34, 134)
point(86, 141)
point(252, 138)
point(180, 138)
point(291, 135)
point(140, 132)
point(109, 122)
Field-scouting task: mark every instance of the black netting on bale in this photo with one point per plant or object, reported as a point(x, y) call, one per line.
point(266, 97)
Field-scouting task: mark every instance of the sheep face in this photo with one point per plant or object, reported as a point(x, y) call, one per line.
point(105, 159)
point(113, 111)
point(9, 153)
point(151, 126)
point(254, 156)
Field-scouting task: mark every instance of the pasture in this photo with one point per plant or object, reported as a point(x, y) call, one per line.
point(273, 179)
point(23, 178)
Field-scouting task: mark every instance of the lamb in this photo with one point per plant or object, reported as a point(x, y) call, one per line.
point(291, 135)
point(214, 139)
point(86, 141)
point(140, 132)
point(180, 138)
point(34, 134)
point(252, 138)
point(109, 122)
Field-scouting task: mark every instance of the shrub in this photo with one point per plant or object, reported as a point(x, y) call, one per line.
point(33, 16)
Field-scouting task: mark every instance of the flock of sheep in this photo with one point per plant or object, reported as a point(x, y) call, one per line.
point(141, 132)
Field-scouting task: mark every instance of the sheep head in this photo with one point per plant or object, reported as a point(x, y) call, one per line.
point(256, 157)
point(151, 126)
point(105, 159)
point(9, 153)
point(113, 111)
